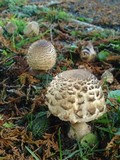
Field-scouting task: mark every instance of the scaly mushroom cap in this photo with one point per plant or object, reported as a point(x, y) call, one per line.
point(41, 55)
point(75, 96)
point(88, 53)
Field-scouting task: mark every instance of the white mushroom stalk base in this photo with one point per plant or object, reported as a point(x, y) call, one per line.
point(79, 130)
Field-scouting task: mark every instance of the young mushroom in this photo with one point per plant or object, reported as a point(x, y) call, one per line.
point(41, 55)
point(76, 96)
point(107, 76)
point(11, 27)
point(31, 29)
point(88, 54)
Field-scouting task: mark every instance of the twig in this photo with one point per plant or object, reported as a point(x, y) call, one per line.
point(48, 4)
point(51, 33)
point(85, 24)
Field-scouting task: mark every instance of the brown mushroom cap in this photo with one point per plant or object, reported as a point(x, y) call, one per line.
point(41, 55)
point(76, 96)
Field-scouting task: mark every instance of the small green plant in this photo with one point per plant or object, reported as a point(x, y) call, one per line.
point(28, 10)
point(109, 123)
point(102, 56)
point(80, 152)
point(38, 124)
point(102, 35)
point(20, 8)
point(115, 45)
point(74, 33)
point(7, 58)
point(60, 57)
point(1, 23)
point(54, 15)
point(24, 41)
point(114, 94)
point(8, 125)
point(62, 15)
point(83, 19)
point(85, 152)
point(21, 23)
point(12, 4)
point(45, 79)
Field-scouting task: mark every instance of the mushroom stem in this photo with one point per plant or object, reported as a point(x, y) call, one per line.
point(79, 130)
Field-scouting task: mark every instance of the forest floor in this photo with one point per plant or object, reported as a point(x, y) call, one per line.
point(101, 12)
point(26, 131)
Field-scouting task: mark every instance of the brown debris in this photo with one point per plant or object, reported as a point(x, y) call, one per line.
point(22, 92)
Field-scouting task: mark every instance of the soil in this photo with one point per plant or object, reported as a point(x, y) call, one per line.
point(101, 12)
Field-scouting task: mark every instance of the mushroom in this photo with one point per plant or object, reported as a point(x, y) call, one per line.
point(107, 76)
point(88, 54)
point(77, 97)
point(11, 27)
point(41, 55)
point(31, 29)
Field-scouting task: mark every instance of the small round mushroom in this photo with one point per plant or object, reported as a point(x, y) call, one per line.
point(88, 54)
point(107, 76)
point(77, 97)
point(11, 27)
point(31, 29)
point(41, 55)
